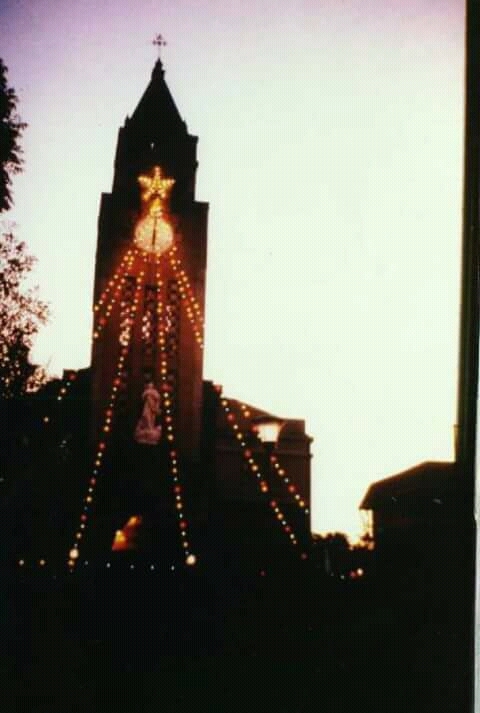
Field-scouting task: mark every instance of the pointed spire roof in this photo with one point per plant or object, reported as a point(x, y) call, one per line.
point(156, 135)
point(157, 108)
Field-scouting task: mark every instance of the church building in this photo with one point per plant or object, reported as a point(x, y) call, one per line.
point(177, 468)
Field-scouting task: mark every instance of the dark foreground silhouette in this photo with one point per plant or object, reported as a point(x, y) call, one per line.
point(289, 641)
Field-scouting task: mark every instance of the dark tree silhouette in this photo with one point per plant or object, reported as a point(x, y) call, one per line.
point(21, 311)
point(21, 315)
point(11, 129)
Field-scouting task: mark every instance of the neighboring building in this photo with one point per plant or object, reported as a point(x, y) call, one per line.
point(247, 508)
point(417, 519)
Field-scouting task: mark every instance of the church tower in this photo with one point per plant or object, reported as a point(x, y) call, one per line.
point(151, 260)
point(174, 472)
point(175, 464)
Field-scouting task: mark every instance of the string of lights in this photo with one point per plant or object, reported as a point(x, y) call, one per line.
point(111, 283)
point(168, 399)
point(192, 307)
point(65, 385)
point(256, 470)
point(107, 424)
point(280, 471)
point(114, 289)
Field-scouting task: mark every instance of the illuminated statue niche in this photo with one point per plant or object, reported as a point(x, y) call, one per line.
point(153, 232)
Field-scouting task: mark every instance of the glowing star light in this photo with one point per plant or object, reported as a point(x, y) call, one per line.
point(153, 232)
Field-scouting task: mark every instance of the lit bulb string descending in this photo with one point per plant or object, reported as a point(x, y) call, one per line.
point(113, 292)
point(168, 397)
point(112, 288)
point(106, 426)
point(111, 283)
point(280, 471)
point(65, 385)
point(256, 471)
point(192, 308)
point(177, 264)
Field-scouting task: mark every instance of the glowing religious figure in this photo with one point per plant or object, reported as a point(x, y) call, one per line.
point(147, 431)
point(153, 232)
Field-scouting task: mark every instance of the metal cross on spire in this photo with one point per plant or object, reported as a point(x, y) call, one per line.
point(159, 42)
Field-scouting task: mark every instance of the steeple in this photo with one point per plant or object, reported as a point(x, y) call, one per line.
point(157, 107)
point(156, 134)
point(158, 71)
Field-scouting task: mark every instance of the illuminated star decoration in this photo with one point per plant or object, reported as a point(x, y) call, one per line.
point(153, 233)
point(156, 188)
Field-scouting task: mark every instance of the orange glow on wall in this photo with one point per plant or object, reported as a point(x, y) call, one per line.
point(120, 542)
point(125, 539)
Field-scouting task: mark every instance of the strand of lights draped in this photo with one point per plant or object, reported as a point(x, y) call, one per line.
point(114, 289)
point(111, 283)
point(192, 307)
point(281, 471)
point(168, 397)
point(182, 276)
point(107, 424)
point(65, 385)
point(256, 471)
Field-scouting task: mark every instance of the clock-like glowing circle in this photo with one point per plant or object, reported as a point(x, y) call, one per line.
point(153, 235)
point(153, 232)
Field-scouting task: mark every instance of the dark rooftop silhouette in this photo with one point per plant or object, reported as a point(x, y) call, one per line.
point(426, 480)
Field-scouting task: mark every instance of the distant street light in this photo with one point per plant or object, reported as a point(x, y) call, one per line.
point(268, 430)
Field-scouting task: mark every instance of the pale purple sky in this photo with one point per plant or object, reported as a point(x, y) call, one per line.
point(330, 149)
